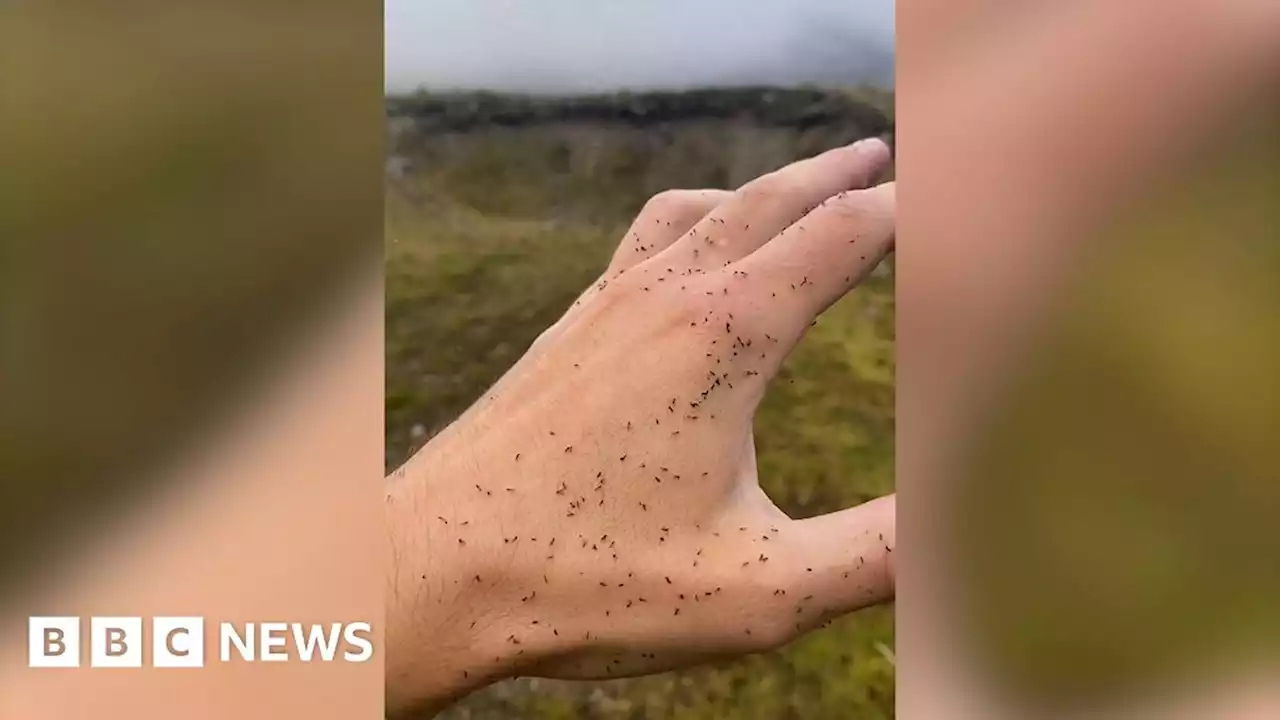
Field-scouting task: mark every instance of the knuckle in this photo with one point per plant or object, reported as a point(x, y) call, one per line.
point(673, 203)
point(857, 205)
point(774, 187)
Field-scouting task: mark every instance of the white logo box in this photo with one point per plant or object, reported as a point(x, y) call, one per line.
point(115, 642)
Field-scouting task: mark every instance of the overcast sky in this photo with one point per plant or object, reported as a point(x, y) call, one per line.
point(585, 45)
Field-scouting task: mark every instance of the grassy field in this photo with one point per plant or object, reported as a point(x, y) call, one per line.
point(500, 211)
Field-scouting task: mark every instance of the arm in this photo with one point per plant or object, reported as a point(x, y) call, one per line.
point(597, 513)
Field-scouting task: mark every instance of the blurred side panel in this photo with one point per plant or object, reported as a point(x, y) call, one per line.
point(1089, 280)
point(190, 340)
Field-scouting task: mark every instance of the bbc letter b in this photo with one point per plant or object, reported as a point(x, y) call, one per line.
point(115, 642)
point(53, 642)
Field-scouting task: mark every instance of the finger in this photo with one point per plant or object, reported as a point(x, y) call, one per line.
point(767, 205)
point(666, 217)
point(840, 562)
point(823, 256)
point(663, 219)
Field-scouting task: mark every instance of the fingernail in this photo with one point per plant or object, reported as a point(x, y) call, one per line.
point(871, 144)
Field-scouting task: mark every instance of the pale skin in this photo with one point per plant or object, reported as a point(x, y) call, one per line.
point(597, 514)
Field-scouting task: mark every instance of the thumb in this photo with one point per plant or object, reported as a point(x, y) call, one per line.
point(840, 562)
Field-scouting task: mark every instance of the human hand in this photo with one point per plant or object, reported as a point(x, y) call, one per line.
point(597, 513)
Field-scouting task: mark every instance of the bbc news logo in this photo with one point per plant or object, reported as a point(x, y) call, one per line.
point(178, 642)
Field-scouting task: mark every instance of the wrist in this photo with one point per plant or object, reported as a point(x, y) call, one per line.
point(449, 622)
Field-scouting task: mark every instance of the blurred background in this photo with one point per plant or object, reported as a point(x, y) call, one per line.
point(190, 209)
point(522, 140)
point(1118, 529)
point(180, 202)
point(1088, 417)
